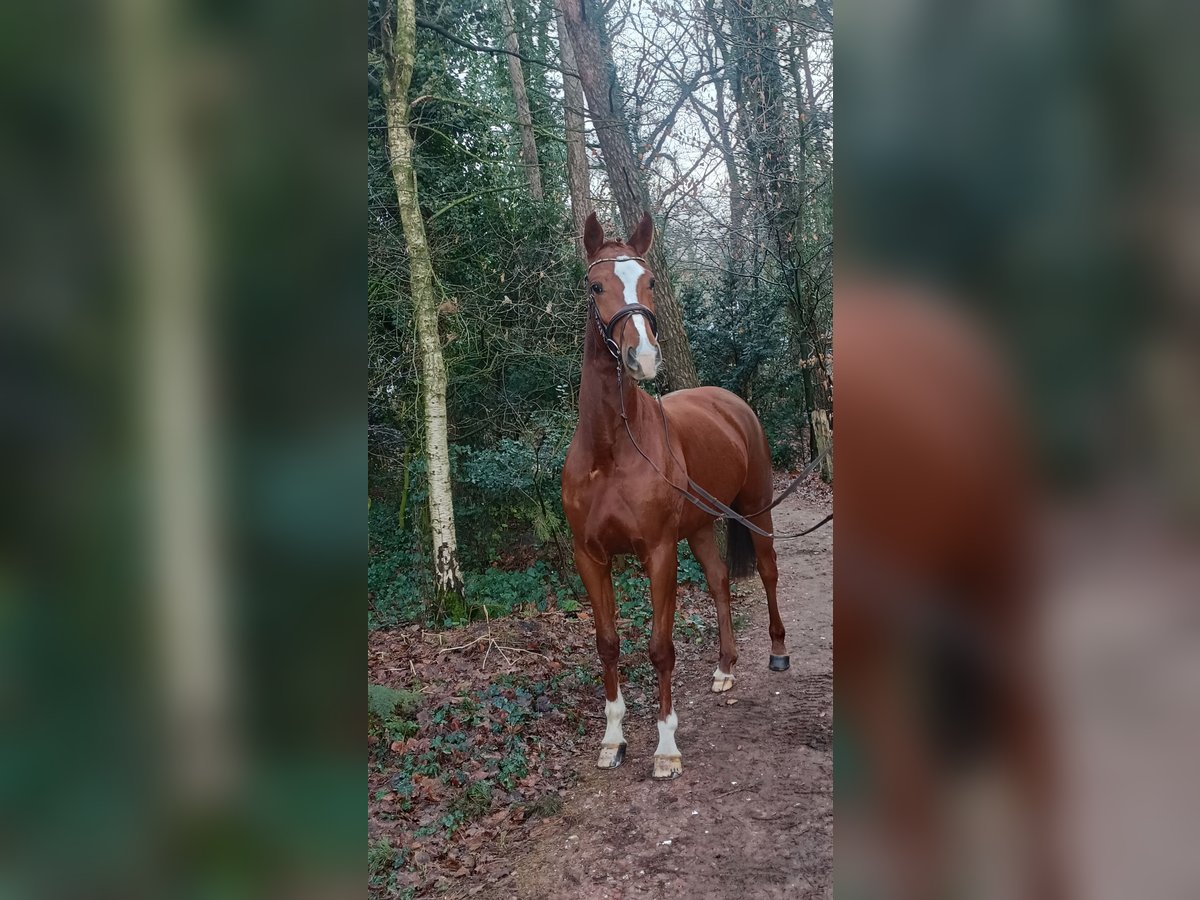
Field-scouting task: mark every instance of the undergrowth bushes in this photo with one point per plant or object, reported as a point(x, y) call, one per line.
point(397, 588)
point(514, 546)
point(514, 543)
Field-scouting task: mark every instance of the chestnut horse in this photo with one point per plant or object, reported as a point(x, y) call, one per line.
point(622, 497)
point(938, 671)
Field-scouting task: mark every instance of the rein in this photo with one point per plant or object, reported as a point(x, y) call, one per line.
point(709, 505)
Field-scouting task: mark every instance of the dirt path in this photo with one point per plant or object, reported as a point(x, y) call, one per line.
point(752, 815)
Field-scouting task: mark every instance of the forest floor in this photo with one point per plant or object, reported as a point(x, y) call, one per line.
point(496, 794)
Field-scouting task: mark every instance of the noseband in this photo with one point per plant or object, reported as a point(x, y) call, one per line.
point(619, 317)
point(606, 331)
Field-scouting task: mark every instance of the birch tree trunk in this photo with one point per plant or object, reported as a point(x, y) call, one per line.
point(578, 181)
point(589, 39)
point(397, 76)
point(195, 692)
point(529, 153)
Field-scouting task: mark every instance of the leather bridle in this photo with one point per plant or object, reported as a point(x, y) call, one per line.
point(607, 329)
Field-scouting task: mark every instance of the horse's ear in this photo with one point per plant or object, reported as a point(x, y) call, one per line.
point(593, 235)
point(642, 236)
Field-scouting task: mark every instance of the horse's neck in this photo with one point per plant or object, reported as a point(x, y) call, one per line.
point(599, 401)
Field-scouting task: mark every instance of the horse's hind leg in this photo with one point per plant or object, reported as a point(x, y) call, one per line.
point(662, 566)
point(597, 580)
point(764, 549)
point(704, 548)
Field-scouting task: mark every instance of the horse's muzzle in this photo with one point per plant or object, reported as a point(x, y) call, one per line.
point(642, 366)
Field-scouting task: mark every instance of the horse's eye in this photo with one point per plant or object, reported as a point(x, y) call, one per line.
point(651, 284)
point(597, 287)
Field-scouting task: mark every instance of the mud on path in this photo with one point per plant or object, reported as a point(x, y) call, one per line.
point(752, 814)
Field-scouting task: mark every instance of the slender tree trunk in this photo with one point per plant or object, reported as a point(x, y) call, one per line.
point(577, 165)
point(760, 86)
point(802, 110)
point(529, 153)
point(196, 692)
point(585, 26)
point(811, 132)
point(808, 82)
point(738, 243)
point(737, 201)
point(397, 76)
point(760, 92)
point(822, 402)
point(752, 211)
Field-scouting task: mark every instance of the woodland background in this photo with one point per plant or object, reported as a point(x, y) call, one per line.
point(509, 122)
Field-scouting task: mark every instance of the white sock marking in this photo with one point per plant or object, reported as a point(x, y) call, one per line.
point(666, 736)
point(719, 674)
point(614, 712)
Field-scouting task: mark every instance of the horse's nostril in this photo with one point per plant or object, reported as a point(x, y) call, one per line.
point(631, 356)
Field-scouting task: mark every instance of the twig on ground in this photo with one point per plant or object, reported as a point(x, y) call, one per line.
point(492, 642)
point(470, 643)
point(737, 790)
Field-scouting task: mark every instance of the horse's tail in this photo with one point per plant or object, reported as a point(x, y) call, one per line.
point(739, 554)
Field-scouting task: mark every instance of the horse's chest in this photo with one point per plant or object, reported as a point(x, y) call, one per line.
point(602, 515)
point(592, 500)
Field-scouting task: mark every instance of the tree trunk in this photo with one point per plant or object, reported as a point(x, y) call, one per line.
point(737, 202)
point(397, 76)
point(585, 26)
point(577, 164)
point(823, 432)
point(529, 153)
point(752, 213)
point(738, 242)
point(808, 82)
point(197, 692)
point(759, 90)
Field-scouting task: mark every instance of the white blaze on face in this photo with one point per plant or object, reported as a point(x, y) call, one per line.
point(614, 712)
point(666, 736)
point(629, 271)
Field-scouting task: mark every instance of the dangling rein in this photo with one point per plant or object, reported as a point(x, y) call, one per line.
point(709, 505)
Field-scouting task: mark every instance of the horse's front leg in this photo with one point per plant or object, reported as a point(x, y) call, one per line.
point(661, 565)
point(597, 580)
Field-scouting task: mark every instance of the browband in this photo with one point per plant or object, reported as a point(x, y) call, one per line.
point(614, 259)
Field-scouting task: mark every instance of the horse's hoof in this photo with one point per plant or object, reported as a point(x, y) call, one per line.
point(779, 663)
point(611, 756)
point(722, 683)
point(668, 766)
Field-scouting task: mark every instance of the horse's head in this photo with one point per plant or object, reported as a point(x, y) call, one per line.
point(621, 288)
